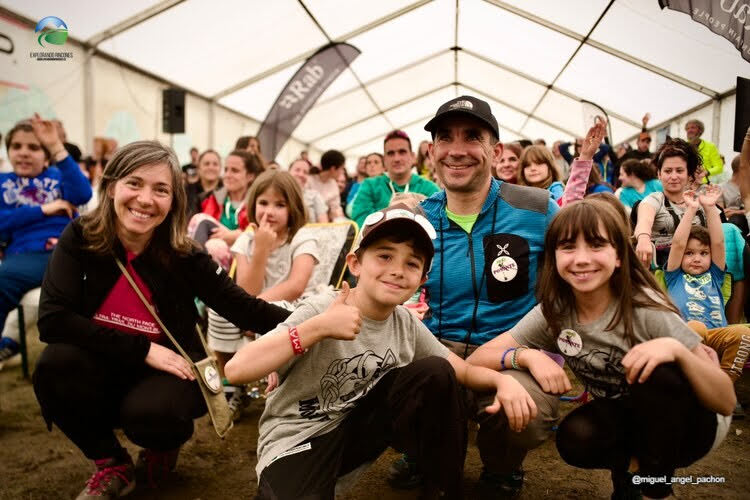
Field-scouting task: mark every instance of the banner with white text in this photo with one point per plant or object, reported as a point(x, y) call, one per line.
point(301, 93)
point(727, 18)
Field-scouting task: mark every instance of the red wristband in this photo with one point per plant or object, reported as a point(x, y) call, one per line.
point(296, 342)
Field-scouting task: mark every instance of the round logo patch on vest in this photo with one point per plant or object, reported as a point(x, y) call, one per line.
point(211, 376)
point(569, 342)
point(504, 268)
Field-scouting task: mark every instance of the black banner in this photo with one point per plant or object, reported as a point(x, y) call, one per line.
point(727, 18)
point(300, 94)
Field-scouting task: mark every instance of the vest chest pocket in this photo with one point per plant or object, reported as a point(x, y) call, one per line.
point(506, 266)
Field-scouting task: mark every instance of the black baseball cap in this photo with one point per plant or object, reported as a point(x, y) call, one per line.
point(467, 105)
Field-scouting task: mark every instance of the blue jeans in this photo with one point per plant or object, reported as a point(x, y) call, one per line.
point(19, 273)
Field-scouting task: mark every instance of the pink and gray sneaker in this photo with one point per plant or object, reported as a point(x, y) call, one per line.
point(112, 479)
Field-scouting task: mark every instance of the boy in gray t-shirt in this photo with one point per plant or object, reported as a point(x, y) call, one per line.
point(359, 373)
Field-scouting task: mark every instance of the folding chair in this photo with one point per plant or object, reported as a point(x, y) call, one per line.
point(20, 319)
point(335, 241)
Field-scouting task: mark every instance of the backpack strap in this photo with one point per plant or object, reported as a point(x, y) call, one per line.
point(676, 218)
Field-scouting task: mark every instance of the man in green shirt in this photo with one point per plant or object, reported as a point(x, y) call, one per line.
point(709, 154)
point(375, 193)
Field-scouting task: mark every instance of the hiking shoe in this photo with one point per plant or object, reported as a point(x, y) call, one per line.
point(404, 474)
point(154, 466)
point(8, 349)
point(500, 486)
point(112, 479)
point(239, 401)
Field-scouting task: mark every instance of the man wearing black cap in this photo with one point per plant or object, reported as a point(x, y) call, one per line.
point(490, 236)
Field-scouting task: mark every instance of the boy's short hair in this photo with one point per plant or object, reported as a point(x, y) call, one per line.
point(399, 223)
point(332, 159)
point(700, 233)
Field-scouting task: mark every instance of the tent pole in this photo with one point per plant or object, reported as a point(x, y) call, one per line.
point(211, 123)
point(88, 100)
point(716, 121)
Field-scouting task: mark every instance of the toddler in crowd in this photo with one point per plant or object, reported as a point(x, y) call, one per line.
point(694, 276)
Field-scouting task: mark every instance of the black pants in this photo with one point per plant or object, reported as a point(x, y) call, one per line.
point(417, 409)
point(88, 397)
point(661, 423)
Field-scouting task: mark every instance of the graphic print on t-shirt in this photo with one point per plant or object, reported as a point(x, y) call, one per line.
point(123, 310)
point(601, 372)
point(702, 301)
point(32, 192)
point(346, 381)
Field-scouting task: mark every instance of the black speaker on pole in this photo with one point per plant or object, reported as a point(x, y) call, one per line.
point(741, 112)
point(173, 111)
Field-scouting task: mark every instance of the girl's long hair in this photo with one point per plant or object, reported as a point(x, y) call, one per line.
point(284, 183)
point(632, 284)
point(539, 155)
point(100, 225)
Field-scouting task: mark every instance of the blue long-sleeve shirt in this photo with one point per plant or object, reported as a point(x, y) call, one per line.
point(22, 222)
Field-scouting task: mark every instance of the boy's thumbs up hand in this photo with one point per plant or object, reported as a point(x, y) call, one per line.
point(343, 294)
point(341, 321)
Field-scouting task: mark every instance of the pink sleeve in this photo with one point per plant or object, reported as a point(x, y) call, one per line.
point(575, 189)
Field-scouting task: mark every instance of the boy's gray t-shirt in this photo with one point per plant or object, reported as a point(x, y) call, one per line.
point(318, 388)
point(598, 364)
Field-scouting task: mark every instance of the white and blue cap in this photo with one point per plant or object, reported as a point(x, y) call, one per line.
point(398, 219)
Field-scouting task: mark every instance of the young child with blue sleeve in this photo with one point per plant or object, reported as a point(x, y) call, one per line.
point(37, 200)
point(694, 275)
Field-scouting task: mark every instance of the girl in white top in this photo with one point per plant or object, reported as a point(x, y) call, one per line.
point(276, 259)
point(660, 395)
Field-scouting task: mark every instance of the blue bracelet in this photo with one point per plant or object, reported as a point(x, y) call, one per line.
point(502, 360)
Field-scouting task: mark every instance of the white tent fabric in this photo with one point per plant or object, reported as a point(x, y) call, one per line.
point(533, 60)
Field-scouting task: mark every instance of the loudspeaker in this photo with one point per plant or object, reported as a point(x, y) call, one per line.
point(173, 111)
point(741, 112)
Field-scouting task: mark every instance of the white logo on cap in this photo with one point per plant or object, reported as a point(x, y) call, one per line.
point(462, 104)
point(400, 213)
point(373, 218)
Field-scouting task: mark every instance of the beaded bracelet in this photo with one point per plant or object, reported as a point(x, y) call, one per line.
point(514, 358)
point(502, 360)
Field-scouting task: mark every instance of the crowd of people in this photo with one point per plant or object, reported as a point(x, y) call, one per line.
point(516, 260)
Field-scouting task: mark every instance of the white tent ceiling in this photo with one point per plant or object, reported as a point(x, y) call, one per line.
point(533, 60)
